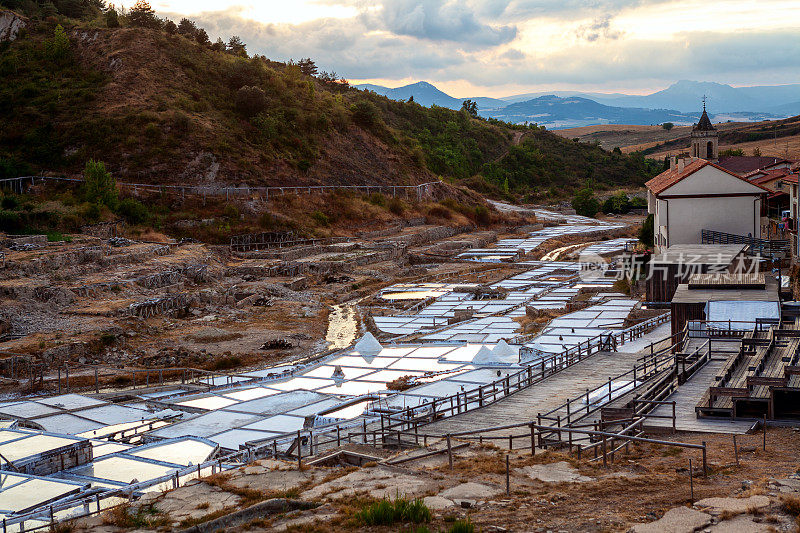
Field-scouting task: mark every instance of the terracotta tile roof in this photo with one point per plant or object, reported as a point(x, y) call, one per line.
point(755, 173)
point(791, 178)
point(670, 177)
point(770, 175)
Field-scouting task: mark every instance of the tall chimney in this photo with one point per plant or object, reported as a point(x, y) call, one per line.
point(680, 164)
point(672, 163)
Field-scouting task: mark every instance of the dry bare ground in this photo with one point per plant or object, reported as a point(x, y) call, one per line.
point(549, 492)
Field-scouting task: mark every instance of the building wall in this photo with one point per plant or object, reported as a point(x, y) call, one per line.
point(739, 215)
point(679, 220)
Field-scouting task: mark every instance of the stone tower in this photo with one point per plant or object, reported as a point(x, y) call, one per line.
point(705, 138)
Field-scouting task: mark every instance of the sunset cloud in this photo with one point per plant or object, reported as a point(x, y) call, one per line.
point(498, 47)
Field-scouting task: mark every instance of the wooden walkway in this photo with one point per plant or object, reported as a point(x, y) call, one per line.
point(687, 397)
point(523, 406)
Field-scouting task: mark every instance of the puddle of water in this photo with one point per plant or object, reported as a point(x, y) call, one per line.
point(342, 326)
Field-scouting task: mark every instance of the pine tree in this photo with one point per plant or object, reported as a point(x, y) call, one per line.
point(142, 15)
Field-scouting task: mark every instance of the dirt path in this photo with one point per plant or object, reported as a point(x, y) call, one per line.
point(518, 136)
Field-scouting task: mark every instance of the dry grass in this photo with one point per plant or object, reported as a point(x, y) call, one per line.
point(791, 504)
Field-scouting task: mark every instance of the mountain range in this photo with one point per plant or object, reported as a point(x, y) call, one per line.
point(679, 103)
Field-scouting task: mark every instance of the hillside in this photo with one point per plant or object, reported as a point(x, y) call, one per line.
point(161, 108)
point(557, 112)
point(426, 94)
point(679, 103)
point(777, 138)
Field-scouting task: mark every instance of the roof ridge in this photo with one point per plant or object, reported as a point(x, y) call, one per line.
point(670, 177)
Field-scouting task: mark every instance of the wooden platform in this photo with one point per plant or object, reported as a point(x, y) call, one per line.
point(687, 397)
point(523, 406)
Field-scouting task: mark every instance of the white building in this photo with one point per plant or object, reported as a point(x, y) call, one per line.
point(696, 195)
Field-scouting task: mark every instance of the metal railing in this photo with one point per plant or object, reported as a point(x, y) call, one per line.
point(762, 247)
point(423, 189)
point(460, 402)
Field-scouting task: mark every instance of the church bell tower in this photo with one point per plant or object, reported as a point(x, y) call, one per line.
point(705, 138)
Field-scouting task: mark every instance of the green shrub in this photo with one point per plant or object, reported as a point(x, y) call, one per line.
point(112, 18)
point(12, 168)
point(152, 132)
point(584, 203)
point(388, 512)
point(89, 213)
point(638, 203)
point(57, 236)
point(365, 113)
point(57, 47)
point(251, 101)
point(482, 215)
point(320, 218)
point(619, 203)
point(10, 221)
point(396, 206)
point(9, 203)
point(231, 212)
point(647, 233)
point(267, 221)
point(377, 198)
point(462, 526)
point(100, 186)
point(133, 211)
point(440, 211)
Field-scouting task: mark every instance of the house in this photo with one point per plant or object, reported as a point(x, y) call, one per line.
point(698, 195)
point(794, 209)
point(776, 181)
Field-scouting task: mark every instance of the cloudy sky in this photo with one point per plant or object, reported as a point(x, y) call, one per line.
point(503, 47)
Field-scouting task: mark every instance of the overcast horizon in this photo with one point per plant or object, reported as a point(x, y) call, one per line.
point(506, 47)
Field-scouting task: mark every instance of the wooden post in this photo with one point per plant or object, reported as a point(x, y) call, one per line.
point(96, 385)
point(764, 444)
point(508, 478)
point(735, 450)
point(691, 483)
point(299, 451)
point(605, 461)
point(365, 430)
point(511, 442)
point(674, 423)
point(533, 440)
point(539, 423)
point(449, 452)
point(338, 440)
point(705, 464)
